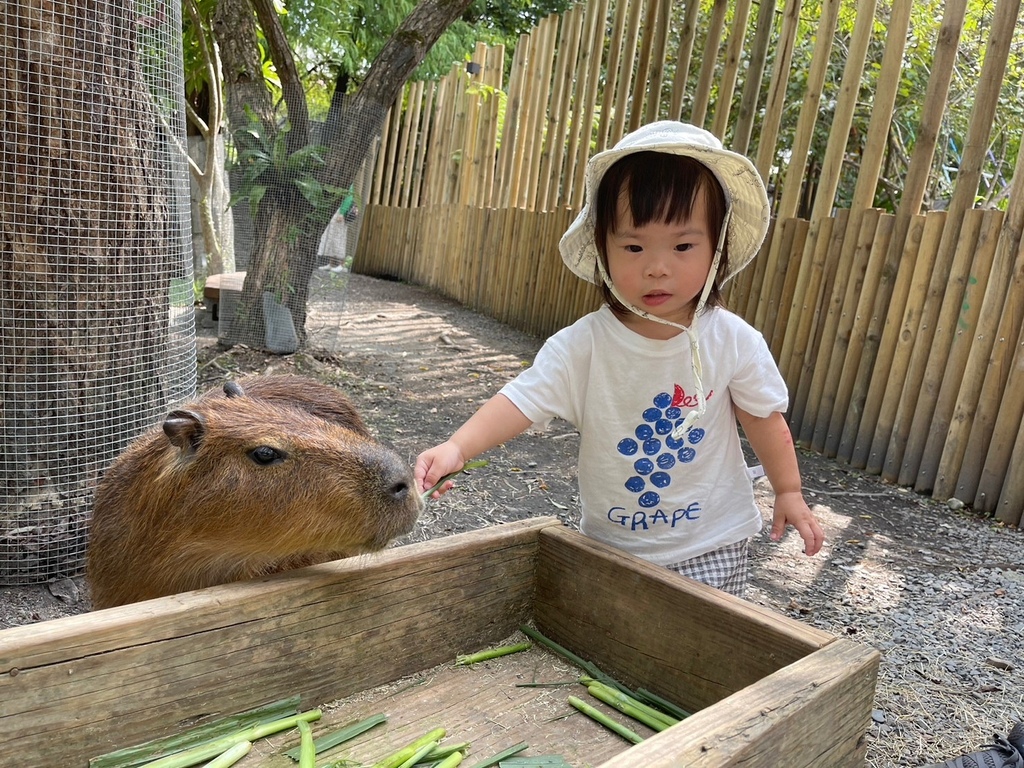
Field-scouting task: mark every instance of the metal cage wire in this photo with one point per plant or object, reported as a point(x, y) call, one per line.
point(96, 286)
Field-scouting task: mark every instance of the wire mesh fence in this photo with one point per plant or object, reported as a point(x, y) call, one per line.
point(310, 243)
point(97, 334)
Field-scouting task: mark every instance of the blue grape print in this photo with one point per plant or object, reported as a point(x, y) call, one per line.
point(656, 449)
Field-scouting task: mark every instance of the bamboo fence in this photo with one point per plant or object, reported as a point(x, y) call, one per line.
point(899, 334)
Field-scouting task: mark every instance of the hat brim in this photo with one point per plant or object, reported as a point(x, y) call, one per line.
point(745, 195)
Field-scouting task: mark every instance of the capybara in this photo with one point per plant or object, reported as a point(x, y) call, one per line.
point(272, 473)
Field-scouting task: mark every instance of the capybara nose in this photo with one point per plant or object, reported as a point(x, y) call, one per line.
point(399, 490)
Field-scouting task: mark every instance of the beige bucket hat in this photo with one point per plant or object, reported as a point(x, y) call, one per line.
point(747, 213)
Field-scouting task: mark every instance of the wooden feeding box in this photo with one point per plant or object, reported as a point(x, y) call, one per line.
point(379, 634)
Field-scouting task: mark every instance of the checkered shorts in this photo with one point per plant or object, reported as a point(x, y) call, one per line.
point(725, 569)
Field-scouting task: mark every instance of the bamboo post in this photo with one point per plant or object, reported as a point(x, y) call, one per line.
point(641, 91)
point(660, 48)
point(624, 77)
point(420, 161)
point(839, 134)
point(795, 339)
point(494, 70)
point(974, 288)
point(524, 136)
point(407, 146)
point(687, 33)
point(871, 379)
point(887, 438)
point(510, 130)
point(1011, 499)
point(567, 49)
point(579, 155)
point(930, 356)
point(733, 54)
point(755, 73)
point(794, 174)
point(776, 99)
point(846, 408)
point(615, 45)
point(470, 166)
point(702, 95)
point(539, 124)
point(780, 285)
point(1005, 438)
point(990, 356)
point(835, 338)
point(815, 313)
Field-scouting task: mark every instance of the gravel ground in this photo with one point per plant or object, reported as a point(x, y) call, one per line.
point(938, 591)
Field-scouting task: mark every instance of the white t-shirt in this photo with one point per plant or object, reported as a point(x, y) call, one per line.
point(662, 499)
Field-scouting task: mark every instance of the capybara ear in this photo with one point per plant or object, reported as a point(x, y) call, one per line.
point(185, 429)
point(233, 389)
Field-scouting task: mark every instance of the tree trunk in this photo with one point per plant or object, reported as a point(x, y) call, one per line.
point(85, 267)
point(288, 227)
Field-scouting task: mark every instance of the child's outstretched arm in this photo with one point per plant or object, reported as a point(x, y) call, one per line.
point(496, 421)
point(773, 443)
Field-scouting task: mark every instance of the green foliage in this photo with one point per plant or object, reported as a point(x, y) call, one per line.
point(266, 163)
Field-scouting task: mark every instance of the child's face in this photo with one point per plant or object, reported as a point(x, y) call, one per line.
point(660, 267)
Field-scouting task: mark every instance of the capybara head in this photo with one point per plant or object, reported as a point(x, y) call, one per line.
point(272, 473)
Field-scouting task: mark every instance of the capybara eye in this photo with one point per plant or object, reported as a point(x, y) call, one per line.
point(265, 455)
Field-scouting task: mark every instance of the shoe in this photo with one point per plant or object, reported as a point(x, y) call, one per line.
point(1006, 752)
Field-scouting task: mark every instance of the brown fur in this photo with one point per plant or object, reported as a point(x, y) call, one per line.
point(187, 505)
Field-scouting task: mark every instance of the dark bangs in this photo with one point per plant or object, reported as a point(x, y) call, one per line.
point(659, 187)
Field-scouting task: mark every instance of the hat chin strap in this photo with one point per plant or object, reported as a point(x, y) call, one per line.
point(691, 333)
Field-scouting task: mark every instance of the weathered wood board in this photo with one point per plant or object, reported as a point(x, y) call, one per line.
point(762, 685)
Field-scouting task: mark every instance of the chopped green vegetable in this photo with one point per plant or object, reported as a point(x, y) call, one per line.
point(495, 759)
point(600, 717)
point(307, 752)
point(583, 664)
point(468, 465)
point(232, 756)
point(396, 759)
point(454, 759)
point(441, 751)
point(419, 754)
point(203, 752)
point(151, 750)
point(663, 704)
point(333, 739)
point(492, 653)
point(627, 705)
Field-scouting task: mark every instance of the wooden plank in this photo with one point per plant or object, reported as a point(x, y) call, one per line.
point(599, 601)
point(149, 666)
point(774, 717)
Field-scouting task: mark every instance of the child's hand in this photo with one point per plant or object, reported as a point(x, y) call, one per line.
point(434, 463)
point(791, 509)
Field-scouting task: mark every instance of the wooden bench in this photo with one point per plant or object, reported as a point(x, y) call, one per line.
point(229, 281)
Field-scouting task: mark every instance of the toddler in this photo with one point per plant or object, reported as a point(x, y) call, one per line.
point(657, 378)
